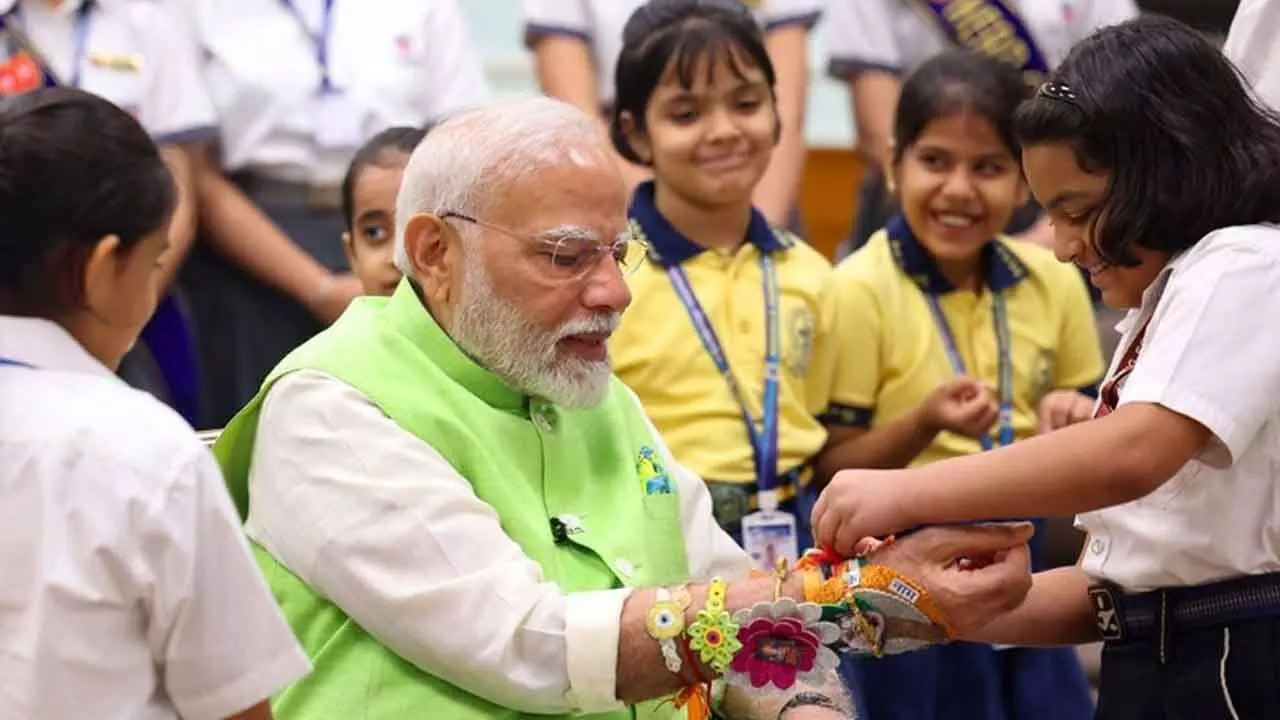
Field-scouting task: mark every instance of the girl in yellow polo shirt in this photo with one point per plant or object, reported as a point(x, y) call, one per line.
point(951, 336)
point(724, 339)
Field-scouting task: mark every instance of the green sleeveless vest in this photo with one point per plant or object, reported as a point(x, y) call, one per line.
point(529, 460)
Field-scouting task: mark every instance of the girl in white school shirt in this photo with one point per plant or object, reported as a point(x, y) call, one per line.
point(872, 44)
point(1162, 177)
point(576, 44)
point(136, 54)
point(128, 589)
point(299, 86)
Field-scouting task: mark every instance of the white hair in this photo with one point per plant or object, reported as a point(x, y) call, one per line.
point(467, 160)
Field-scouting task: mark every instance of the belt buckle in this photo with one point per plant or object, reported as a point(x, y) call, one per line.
point(1106, 613)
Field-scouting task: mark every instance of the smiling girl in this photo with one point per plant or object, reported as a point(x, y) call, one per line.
point(724, 341)
point(1162, 175)
point(955, 336)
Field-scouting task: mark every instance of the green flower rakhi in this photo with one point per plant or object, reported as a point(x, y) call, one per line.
point(713, 633)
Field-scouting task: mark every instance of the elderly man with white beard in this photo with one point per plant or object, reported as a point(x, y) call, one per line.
point(463, 514)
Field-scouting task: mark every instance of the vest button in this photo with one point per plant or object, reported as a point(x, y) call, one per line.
point(624, 567)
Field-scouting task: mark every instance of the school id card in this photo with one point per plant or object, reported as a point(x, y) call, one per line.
point(769, 535)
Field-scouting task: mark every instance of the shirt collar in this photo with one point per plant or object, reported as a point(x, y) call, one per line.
point(669, 247)
point(46, 345)
point(1002, 267)
point(408, 315)
point(1151, 296)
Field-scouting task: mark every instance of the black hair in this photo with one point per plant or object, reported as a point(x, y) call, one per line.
point(662, 32)
point(958, 82)
point(74, 168)
point(390, 145)
point(1188, 148)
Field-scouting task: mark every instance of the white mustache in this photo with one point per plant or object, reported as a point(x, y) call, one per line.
point(604, 324)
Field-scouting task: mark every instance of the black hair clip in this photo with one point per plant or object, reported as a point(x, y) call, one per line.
point(1059, 91)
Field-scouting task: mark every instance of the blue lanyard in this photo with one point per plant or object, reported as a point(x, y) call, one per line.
point(80, 44)
point(1004, 343)
point(320, 40)
point(763, 435)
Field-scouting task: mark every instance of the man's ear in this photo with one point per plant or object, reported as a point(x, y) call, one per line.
point(435, 255)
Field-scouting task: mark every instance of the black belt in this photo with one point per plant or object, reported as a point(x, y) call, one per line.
point(1156, 614)
point(270, 191)
point(731, 501)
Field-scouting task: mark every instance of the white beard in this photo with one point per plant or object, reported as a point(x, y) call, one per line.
point(494, 332)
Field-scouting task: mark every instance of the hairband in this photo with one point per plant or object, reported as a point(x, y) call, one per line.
point(1060, 92)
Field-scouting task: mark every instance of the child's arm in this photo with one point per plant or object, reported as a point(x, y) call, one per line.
point(1096, 464)
point(775, 195)
point(1055, 612)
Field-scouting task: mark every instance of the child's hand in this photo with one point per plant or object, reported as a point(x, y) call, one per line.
point(856, 505)
point(964, 406)
point(1061, 408)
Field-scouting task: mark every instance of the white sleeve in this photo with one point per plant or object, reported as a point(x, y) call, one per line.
point(176, 107)
point(1091, 15)
point(1211, 349)
point(859, 35)
point(454, 70)
point(382, 524)
point(215, 629)
point(1253, 44)
point(555, 17)
point(776, 14)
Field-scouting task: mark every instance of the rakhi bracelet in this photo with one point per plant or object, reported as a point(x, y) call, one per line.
point(887, 614)
point(714, 634)
point(665, 623)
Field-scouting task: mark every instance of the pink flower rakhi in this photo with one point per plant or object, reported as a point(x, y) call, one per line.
point(782, 642)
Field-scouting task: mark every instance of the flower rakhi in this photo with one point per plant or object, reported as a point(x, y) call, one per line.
point(782, 643)
point(714, 634)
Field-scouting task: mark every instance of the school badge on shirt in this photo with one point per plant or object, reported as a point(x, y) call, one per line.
point(20, 74)
point(800, 333)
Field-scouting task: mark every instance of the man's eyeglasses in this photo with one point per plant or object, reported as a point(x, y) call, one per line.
point(571, 252)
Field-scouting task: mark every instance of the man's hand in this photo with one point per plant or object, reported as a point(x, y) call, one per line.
point(962, 405)
point(973, 573)
point(1061, 408)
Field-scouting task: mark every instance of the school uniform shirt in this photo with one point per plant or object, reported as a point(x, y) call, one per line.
point(897, 35)
point(657, 351)
point(893, 352)
point(1209, 352)
point(1251, 45)
point(139, 54)
point(128, 588)
point(393, 62)
point(600, 23)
